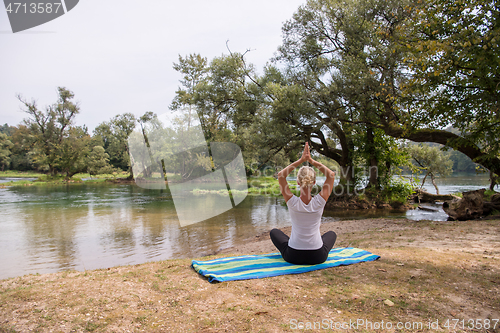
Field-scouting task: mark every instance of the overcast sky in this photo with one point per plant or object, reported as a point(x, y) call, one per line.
point(117, 55)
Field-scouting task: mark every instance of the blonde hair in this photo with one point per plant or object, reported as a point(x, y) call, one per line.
point(306, 176)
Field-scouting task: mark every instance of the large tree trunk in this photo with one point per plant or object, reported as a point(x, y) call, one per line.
point(422, 196)
point(468, 208)
point(493, 180)
point(342, 156)
point(346, 173)
point(434, 183)
point(423, 180)
point(373, 168)
point(472, 206)
point(493, 205)
point(52, 170)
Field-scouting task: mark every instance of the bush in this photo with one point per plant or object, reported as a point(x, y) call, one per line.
point(488, 194)
point(397, 191)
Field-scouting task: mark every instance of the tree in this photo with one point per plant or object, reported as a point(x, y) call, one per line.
point(340, 83)
point(73, 151)
point(114, 135)
point(354, 65)
point(216, 92)
point(21, 151)
point(49, 131)
point(5, 150)
point(6, 129)
point(454, 61)
point(432, 161)
point(462, 163)
point(384, 152)
point(227, 103)
point(98, 162)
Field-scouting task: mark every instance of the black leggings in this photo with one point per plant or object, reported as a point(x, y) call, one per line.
point(303, 257)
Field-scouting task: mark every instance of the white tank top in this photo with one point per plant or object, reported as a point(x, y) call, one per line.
point(306, 220)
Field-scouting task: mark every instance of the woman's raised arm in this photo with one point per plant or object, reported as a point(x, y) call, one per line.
point(284, 188)
point(330, 177)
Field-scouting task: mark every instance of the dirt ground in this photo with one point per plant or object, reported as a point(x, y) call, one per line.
point(431, 277)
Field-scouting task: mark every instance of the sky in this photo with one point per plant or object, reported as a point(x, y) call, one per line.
point(116, 56)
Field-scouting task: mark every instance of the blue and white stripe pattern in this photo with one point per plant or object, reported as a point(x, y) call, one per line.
point(272, 264)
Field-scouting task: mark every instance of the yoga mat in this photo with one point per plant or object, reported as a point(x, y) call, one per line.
point(272, 264)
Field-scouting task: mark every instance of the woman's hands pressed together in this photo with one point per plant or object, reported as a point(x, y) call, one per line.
point(306, 154)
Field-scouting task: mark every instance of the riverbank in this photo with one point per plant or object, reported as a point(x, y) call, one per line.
point(30, 178)
point(430, 271)
point(20, 174)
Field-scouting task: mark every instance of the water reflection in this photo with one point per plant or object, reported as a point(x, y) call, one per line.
point(458, 182)
point(14, 179)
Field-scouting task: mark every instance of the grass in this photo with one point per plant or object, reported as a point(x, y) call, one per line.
point(267, 186)
point(488, 193)
point(256, 186)
point(44, 179)
point(20, 174)
point(431, 279)
point(117, 175)
point(270, 186)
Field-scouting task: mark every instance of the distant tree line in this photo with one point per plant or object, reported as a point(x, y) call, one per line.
point(48, 141)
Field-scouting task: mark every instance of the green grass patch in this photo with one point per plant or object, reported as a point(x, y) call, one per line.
point(114, 175)
point(488, 194)
point(269, 186)
point(21, 174)
point(48, 180)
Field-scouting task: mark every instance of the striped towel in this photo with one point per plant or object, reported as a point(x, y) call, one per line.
point(272, 264)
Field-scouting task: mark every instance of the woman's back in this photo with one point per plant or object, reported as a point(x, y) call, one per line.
point(306, 221)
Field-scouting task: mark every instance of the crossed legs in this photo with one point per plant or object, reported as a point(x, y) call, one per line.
point(303, 257)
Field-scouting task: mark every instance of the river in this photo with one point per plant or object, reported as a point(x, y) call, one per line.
point(52, 228)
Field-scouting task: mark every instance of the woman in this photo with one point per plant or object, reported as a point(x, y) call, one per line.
point(305, 246)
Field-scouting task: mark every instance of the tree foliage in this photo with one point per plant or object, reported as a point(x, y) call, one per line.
point(113, 136)
point(456, 64)
point(454, 61)
point(227, 103)
point(73, 151)
point(432, 161)
point(98, 162)
point(21, 151)
point(364, 64)
point(5, 150)
point(6, 129)
point(341, 78)
point(52, 136)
